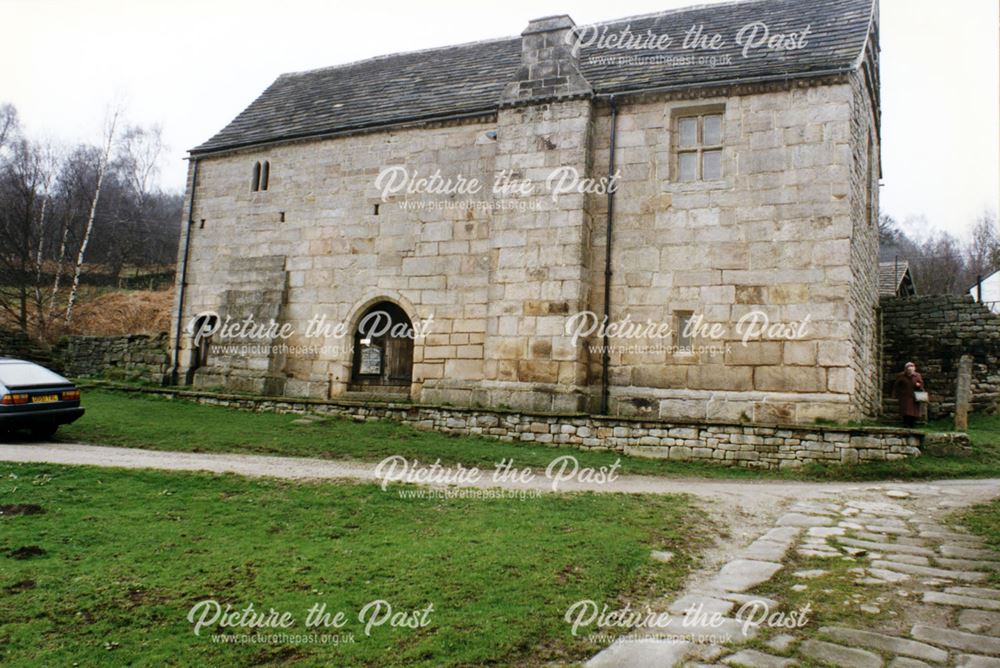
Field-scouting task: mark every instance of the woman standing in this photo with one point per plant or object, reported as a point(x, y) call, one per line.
point(905, 389)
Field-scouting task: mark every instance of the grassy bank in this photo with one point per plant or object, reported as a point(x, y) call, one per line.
point(102, 566)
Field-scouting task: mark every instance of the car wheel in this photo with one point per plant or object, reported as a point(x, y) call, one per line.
point(46, 431)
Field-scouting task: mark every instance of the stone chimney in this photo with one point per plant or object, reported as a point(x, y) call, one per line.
point(549, 67)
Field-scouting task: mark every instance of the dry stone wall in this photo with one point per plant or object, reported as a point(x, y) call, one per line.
point(137, 357)
point(754, 446)
point(934, 332)
point(15, 344)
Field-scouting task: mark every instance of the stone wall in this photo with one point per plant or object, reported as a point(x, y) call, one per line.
point(15, 344)
point(774, 236)
point(347, 249)
point(136, 357)
point(726, 443)
point(934, 332)
point(859, 381)
point(777, 235)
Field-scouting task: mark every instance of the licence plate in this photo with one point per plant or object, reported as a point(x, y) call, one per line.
point(44, 398)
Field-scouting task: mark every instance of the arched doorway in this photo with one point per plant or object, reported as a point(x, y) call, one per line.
point(383, 349)
point(201, 331)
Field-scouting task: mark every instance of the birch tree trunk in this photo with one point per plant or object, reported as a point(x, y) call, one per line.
point(59, 269)
point(38, 261)
point(101, 169)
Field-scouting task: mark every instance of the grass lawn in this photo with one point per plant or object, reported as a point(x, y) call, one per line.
point(145, 421)
point(101, 567)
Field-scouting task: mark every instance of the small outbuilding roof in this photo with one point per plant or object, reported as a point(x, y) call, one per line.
point(894, 279)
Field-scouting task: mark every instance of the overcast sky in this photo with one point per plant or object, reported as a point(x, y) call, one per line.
point(192, 65)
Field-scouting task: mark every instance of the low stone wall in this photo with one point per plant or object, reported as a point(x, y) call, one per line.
point(933, 332)
point(751, 445)
point(133, 357)
point(16, 344)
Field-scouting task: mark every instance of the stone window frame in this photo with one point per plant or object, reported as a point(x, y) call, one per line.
point(699, 112)
point(261, 177)
point(682, 345)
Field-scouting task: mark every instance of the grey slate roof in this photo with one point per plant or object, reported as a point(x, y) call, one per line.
point(469, 78)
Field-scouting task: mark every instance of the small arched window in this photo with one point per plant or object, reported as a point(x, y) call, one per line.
point(255, 179)
point(265, 172)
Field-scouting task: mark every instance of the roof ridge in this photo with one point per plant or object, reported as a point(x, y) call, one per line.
point(386, 56)
point(678, 10)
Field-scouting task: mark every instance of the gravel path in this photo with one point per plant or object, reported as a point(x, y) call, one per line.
point(751, 497)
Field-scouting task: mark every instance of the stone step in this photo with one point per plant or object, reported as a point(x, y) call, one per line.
point(748, 600)
point(633, 652)
point(881, 546)
point(888, 576)
point(924, 526)
point(915, 559)
point(783, 642)
point(883, 531)
point(969, 642)
point(704, 604)
point(976, 661)
point(751, 658)
point(827, 553)
point(815, 508)
point(960, 601)
point(905, 662)
point(980, 621)
point(742, 574)
point(781, 534)
point(911, 540)
point(979, 592)
point(956, 552)
point(838, 655)
point(802, 520)
point(969, 564)
point(765, 550)
point(885, 643)
point(706, 627)
point(872, 536)
point(880, 508)
point(929, 571)
point(951, 536)
point(884, 521)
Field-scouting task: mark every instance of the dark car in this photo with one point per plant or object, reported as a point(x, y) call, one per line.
point(32, 397)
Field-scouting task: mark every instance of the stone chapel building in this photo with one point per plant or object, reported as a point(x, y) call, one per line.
point(743, 138)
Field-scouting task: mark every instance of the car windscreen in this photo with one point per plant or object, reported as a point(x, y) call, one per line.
point(20, 374)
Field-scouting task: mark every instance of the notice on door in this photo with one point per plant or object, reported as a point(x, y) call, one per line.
point(371, 361)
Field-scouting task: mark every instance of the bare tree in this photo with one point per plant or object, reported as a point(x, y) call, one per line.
point(22, 182)
point(76, 179)
point(66, 211)
point(983, 250)
point(102, 167)
point(136, 169)
point(8, 123)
